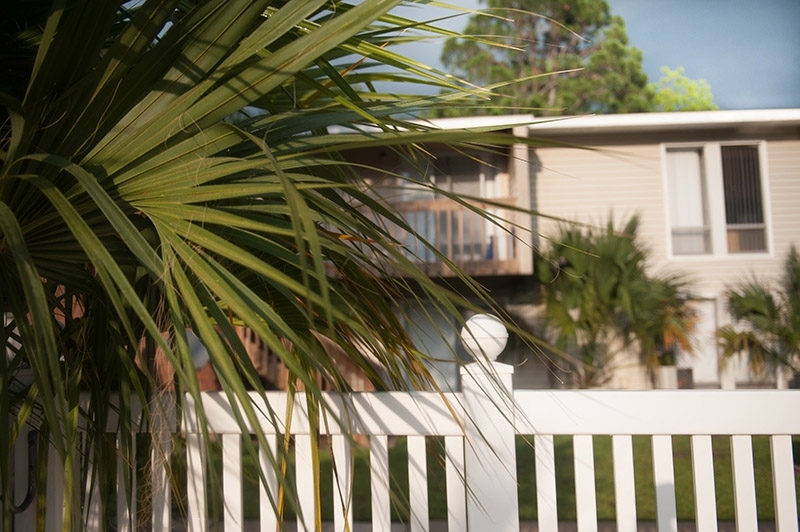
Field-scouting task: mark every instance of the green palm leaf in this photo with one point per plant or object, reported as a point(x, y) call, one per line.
point(766, 321)
point(168, 167)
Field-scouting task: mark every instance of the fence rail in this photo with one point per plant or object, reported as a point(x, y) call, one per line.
point(478, 427)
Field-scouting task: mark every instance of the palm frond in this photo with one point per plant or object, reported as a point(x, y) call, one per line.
point(767, 321)
point(169, 167)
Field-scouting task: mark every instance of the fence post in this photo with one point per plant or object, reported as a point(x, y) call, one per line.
point(489, 454)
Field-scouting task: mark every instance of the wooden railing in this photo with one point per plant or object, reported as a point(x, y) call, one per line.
point(478, 428)
point(479, 246)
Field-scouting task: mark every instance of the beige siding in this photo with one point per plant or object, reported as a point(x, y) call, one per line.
point(713, 274)
point(585, 186)
point(626, 178)
point(588, 185)
point(784, 180)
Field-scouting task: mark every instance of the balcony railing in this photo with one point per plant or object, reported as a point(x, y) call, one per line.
point(477, 245)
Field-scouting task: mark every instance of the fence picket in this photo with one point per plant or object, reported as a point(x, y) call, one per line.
point(163, 425)
point(744, 483)
point(196, 482)
point(624, 485)
point(233, 508)
point(268, 491)
point(705, 500)
point(342, 483)
point(585, 495)
point(304, 473)
point(664, 479)
point(54, 516)
point(783, 484)
point(456, 486)
point(379, 481)
point(417, 484)
point(126, 501)
point(546, 501)
point(161, 494)
point(93, 517)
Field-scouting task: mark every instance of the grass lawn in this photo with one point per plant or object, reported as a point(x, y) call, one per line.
point(604, 483)
point(643, 474)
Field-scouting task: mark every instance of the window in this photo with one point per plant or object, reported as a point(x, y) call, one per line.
point(458, 173)
point(715, 199)
point(688, 212)
point(744, 214)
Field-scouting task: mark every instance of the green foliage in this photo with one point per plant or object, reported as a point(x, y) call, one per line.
point(595, 68)
point(767, 321)
point(664, 320)
point(599, 298)
point(675, 92)
point(166, 166)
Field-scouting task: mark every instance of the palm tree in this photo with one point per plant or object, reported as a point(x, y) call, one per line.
point(664, 321)
point(767, 324)
point(167, 167)
point(600, 299)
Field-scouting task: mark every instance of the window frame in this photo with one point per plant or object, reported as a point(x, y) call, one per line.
point(711, 161)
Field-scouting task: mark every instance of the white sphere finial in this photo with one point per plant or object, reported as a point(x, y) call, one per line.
point(484, 336)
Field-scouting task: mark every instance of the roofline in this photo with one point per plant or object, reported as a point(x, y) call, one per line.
point(617, 123)
point(499, 122)
point(641, 122)
point(478, 122)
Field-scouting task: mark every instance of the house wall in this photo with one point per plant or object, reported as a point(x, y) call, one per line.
point(625, 175)
point(616, 165)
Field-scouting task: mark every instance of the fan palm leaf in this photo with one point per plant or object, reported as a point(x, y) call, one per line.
point(766, 321)
point(167, 167)
point(598, 296)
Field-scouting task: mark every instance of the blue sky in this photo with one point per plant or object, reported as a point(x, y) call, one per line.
point(748, 51)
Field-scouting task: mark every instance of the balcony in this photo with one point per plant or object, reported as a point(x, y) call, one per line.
point(419, 189)
point(478, 246)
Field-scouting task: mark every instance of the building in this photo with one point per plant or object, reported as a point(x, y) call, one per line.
point(717, 194)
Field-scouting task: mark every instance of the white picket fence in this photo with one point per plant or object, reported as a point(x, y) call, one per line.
point(479, 426)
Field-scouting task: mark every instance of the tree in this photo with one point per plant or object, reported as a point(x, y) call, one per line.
point(599, 299)
point(767, 321)
point(664, 320)
point(166, 167)
point(675, 92)
point(595, 68)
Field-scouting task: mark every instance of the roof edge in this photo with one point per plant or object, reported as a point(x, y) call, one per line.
point(663, 121)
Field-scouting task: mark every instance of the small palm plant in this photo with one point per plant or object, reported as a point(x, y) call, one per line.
point(665, 321)
point(167, 166)
point(767, 322)
point(599, 299)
